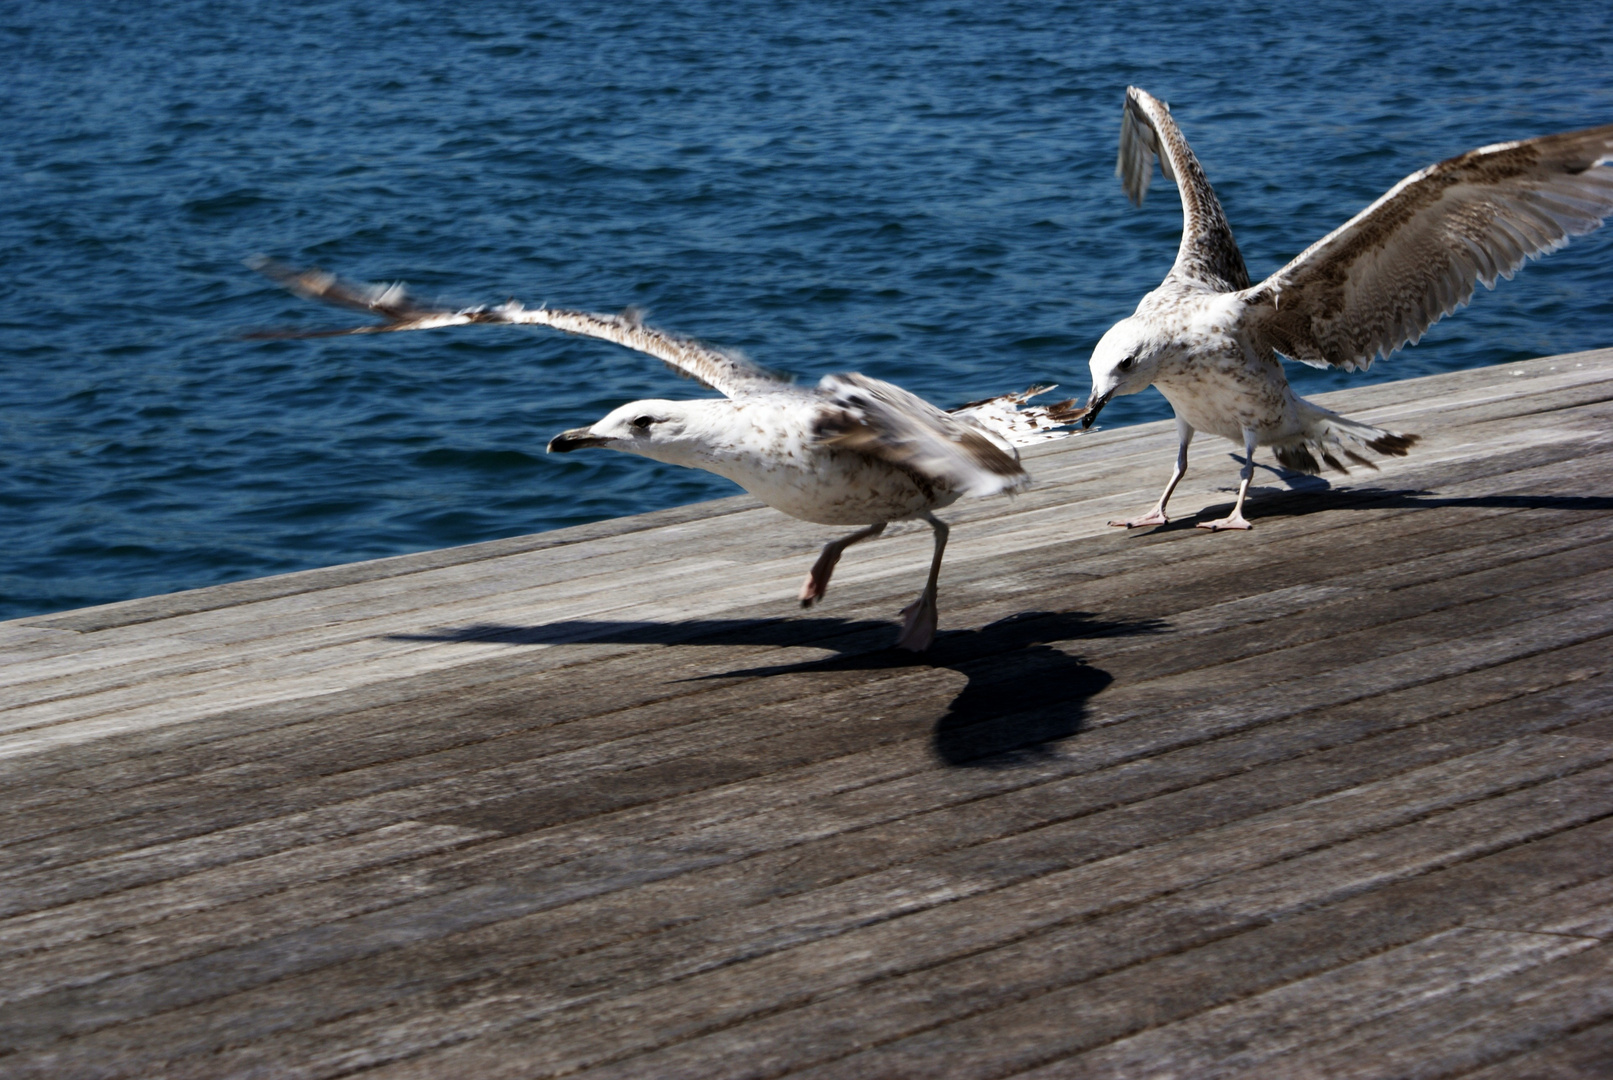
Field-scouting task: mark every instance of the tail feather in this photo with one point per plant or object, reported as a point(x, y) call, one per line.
point(1329, 436)
point(1393, 443)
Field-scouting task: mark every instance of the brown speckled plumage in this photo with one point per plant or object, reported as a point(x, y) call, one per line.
point(1211, 341)
point(1415, 255)
point(1208, 255)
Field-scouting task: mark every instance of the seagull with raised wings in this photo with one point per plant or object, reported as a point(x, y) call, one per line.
point(850, 451)
point(1210, 340)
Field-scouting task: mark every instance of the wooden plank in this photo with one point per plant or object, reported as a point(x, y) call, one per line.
point(38, 971)
point(979, 984)
point(20, 640)
point(1462, 1021)
point(1586, 911)
point(1250, 1038)
point(1132, 970)
point(551, 1027)
point(1582, 1055)
point(1203, 957)
point(235, 594)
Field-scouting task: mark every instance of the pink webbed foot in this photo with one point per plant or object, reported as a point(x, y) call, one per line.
point(919, 621)
point(1152, 518)
point(1236, 521)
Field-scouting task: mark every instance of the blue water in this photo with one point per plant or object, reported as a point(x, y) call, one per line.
point(920, 191)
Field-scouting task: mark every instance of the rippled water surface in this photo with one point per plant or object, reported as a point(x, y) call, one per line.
point(921, 191)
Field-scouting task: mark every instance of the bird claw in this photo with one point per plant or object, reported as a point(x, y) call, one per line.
point(1153, 518)
point(919, 620)
point(1236, 521)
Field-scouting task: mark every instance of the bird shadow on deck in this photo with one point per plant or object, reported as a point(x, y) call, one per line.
point(1024, 692)
point(1304, 494)
point(1295, 504)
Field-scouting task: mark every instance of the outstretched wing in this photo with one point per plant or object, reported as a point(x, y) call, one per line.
point(1209, 255)
point(1385, 276)
point(728, 373)
point(1020, 423)
point(883, 421)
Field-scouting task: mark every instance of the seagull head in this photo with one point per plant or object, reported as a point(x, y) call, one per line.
point(1126, 361)
point(670, 431)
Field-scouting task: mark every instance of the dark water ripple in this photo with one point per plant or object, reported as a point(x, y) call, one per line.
point(920, 191)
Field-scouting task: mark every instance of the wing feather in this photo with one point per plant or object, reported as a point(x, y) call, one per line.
point(872, 417)
point(1020, 423)
point(1208, 254)
point(728, 373)
point(1381, 279)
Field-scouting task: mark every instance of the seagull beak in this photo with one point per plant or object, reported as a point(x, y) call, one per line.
point(1095, 405)
point(575, 439)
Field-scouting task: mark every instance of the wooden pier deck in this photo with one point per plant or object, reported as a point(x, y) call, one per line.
point(1333, 798)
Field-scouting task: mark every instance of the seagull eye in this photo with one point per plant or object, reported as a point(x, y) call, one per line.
point(1128, 363)
point(643, 423)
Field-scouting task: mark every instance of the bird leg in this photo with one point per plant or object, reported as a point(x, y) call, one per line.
point(1236, 520)
point(919, 618)
point(1156, 516)
point(817, 579)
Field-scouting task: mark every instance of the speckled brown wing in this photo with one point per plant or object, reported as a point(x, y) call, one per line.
point(729, 373)
point(1019, 423)
point(1209, 256)
point(1389, 273)
point(883, 421)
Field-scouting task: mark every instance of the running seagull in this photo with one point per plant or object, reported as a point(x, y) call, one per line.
point(1210, 340)
point(850, 451)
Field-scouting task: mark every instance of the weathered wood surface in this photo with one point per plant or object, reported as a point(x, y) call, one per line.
point(1331, 798)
